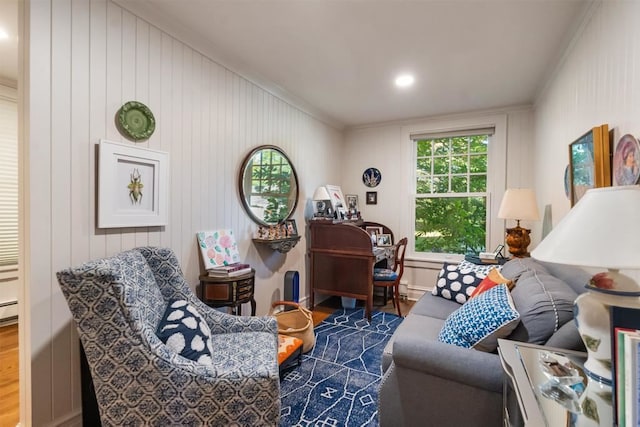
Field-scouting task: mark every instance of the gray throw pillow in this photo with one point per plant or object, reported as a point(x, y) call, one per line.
point(544, 302)
point(514, 268)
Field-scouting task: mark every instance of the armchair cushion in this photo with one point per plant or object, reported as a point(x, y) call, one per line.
point(384, 275)
point(184, 331)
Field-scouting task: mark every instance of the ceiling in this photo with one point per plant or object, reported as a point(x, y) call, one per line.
point(9, 46)
point(340, 57)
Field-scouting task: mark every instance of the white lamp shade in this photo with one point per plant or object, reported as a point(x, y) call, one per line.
point(321, 193)
point(601, 230)
point(520, 204)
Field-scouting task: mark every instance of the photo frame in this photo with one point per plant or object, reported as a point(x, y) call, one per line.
point(292, 228)
point(132, 186)
point(625, 161)
point(384, 239)
point(373, 231)
point(372, 197)
point(589, 162)
point(352, 202)
point(338, 202)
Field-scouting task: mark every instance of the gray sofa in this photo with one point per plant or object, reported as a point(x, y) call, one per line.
point(431, 383)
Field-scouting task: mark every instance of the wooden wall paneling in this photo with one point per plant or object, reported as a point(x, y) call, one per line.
point(153, 81)
point(97, 118)
point(165, 122)
point(175, 147)
point(39, 233)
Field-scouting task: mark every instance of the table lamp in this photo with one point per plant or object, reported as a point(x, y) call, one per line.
point(322, 201)
point(600, 231)
point(519, 204)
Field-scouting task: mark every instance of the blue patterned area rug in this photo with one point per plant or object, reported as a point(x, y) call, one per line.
point(337, 383)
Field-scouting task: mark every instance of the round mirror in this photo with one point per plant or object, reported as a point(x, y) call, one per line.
point(268, 185)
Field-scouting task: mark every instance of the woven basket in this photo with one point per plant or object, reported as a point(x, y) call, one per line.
point(296, 323)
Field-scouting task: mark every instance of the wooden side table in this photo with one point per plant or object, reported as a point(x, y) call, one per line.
point(229, 291)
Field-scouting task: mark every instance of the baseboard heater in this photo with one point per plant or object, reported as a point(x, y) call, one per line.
point(8, 311)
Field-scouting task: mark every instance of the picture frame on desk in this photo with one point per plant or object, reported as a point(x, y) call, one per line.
point(384, 240)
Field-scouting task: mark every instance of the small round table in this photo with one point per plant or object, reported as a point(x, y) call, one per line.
point(230, 291)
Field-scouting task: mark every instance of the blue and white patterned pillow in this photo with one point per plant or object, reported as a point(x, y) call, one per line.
point(184, 331)
point(482, 320)
point(479, 269)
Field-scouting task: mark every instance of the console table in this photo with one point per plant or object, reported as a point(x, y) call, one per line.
point(342, 260)
point(534, 399)
point(229, 291)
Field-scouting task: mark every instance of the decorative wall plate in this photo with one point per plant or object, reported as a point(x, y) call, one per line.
point(371, 177)
point(136, 121)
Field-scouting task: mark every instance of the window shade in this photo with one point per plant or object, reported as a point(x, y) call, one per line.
point(8, 181)
point(454, 133)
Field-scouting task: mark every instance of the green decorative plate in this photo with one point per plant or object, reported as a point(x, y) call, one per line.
point(136, 120)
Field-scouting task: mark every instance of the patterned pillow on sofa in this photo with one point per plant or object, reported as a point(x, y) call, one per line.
point(480, 322)
point(458, 281)
point(184, 331)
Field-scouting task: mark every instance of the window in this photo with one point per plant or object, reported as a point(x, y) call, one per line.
point(8, 181)
point(451, 191)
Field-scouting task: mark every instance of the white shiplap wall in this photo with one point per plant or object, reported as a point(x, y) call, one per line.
point(86, 58)
point(598, 82)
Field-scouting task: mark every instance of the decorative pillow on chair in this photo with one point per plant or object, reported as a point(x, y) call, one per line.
point(494, 278)
point(384, 275)
point(457, 282)
point(481, 321)
point(184, 331)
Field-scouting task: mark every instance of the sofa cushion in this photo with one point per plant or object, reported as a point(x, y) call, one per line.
point(544, 302)
point(417, 327)
point(482, 320)
point(457, 282)
point(184, 331)
point(515, 267)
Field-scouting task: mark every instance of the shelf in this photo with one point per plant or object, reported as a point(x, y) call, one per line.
point(281, 245)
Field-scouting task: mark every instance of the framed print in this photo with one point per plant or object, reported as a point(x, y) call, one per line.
point(589, 162)
point(625, 161)
point(337, 198)
point(352, 202)
point(132, 186)
point(384, 239)
point(292, 229)
point(372, 197)
point(371, 177)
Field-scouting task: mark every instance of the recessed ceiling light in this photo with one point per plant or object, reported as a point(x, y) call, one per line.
point(3, 34)
point(404, 80)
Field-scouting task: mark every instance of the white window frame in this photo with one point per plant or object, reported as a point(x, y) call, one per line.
point(8, 95)
point(496, 176)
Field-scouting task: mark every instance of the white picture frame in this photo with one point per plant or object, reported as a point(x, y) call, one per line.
point(338, 201)
point(132, 186)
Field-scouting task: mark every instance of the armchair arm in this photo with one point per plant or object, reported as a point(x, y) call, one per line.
point(475, 368)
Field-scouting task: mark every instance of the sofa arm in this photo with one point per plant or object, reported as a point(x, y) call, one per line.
point(467, 366)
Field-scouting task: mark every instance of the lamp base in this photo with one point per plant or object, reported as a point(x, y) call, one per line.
point(518, 241)
point(592, 317)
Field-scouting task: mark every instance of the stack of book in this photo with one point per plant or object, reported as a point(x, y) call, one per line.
point(231, 270)
point(625, 324)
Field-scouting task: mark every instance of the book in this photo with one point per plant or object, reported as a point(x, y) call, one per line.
point(624, 320)
point(234, 273)
point(631, 383)
point(229, 268)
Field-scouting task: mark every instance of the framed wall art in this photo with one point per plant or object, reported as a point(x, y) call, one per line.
point(337, 198)
point(589, 162)
point(625, 161)
point(132, 186)
point(372, 197)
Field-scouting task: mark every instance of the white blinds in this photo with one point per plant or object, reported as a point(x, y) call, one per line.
point(8, 181)
point(453, 134)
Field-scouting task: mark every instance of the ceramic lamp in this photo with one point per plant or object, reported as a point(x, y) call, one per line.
point(322, 199)
point(600, 231)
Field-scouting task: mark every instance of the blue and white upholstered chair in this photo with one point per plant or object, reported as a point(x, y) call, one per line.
point(123, 303)
point(390, 277)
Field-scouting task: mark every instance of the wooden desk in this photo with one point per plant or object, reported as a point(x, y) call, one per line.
point(342, 260)
point(229, 291)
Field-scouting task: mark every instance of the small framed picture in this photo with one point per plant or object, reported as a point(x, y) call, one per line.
point(292, 229)
point(384, 239)
point(352, 202)
point(373, 231)
point(372, 197)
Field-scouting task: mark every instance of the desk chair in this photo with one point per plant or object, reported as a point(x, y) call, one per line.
point(390, 277)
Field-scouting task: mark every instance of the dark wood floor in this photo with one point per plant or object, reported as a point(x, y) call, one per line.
point(9, 383)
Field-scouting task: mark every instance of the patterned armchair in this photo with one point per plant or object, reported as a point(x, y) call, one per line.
point(117, 304)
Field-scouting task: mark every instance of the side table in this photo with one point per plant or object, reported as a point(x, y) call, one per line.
point(545, 400)
point(229, 291)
